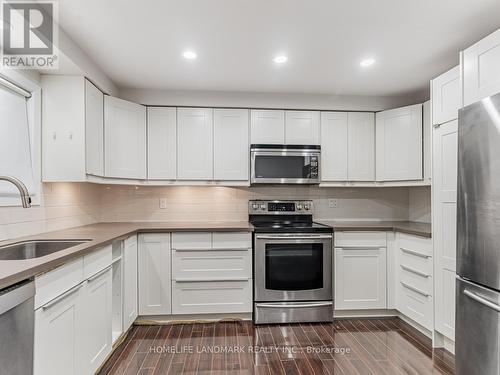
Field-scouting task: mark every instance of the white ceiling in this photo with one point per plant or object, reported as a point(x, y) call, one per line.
point(139, 44)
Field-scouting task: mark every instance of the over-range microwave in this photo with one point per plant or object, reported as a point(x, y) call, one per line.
point(285, 164)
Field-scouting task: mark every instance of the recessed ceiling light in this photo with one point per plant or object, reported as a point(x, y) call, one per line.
point(190, 55)
point(367, 62)
point(280, 59)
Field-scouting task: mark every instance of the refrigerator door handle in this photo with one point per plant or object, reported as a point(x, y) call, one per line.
point(482, 300)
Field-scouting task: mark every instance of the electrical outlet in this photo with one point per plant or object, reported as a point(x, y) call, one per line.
point(163, 203)
point(333, 203)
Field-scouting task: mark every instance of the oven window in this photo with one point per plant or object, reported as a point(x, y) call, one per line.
point(282, 166)
point(294, 266)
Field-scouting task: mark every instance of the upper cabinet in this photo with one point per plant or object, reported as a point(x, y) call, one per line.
point(94, 129)
point(361, 146)
point(446, 96)
point(302, 127)
point(195, 144)
point(268, 126)
point(162, 143)
point(399, 144)
point(481, 69)
point(231, 144)
point(334, 130)
point(125, 139)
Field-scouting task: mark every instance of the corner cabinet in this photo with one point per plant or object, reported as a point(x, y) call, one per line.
point(162, 143)
point(195, 144)
point(94, 130)
point(399, 144)
point(124, 138)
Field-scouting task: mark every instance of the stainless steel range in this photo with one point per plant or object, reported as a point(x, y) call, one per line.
point(292, 263)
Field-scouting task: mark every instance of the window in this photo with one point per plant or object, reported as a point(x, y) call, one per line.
point(18, 144)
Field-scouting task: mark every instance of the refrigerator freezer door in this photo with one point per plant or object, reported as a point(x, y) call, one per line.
point(478, 200)
point(477, 350)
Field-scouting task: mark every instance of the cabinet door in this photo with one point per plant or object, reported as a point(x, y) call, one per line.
point(361, 146)
point(481, 69)
point(446, 95)
point(444, 222)
point(399, 144)
point(267, 126)
point(334, 146)
point(124, 139)
point(94, 129)
point(194, 142)
point(360, 278)
point(162, 143)
point(231, 148)
point(57, 330)
point(154, 274)
point(97, 327)
point(129, 282)
point(302, 127)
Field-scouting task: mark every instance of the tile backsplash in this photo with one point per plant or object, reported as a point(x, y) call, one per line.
point(67, 205)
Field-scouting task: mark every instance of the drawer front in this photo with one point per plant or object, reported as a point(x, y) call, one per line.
point(211, 297)
point(54, 283)
point(97, 261)
point(360, 239)
point(203, 265)
point(231, 240)
point(192, 241)
point(416, 244)
point(416, 260)
point(416, 279)
point(415, 306)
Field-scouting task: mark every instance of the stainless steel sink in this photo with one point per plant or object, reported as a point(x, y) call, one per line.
point(36, 249)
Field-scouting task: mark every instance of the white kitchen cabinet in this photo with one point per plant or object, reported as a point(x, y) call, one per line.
point(267, 126)
point(446, 96)
point(129, 259)
point(231, 144)
point(154, 274)
point(58, 330)
point(302, 128)
point(96, 339)
point(361, 146)
point(94, 129)
point(427, 134)
point(334, 150)
point(124, 139)
point(195, 143)
point(481, 69)
point(444, 221)
point(162, 143)
point(399, 144)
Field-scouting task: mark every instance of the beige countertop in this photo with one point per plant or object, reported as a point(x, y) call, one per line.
point(408, 227)
point(102, 234)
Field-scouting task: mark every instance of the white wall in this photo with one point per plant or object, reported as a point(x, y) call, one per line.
point(420, 204)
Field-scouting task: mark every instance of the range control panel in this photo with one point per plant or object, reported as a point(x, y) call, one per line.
point(264, 207)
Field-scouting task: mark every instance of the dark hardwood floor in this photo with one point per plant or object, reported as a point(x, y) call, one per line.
point(347, 346)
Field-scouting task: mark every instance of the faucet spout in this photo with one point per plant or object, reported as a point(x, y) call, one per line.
point(23, 191)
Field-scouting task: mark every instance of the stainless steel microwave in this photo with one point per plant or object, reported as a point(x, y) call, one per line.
point(285, 164)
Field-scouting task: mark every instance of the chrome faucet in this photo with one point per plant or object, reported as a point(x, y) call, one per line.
point(23, 191)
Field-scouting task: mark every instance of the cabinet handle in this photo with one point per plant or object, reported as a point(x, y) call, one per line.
point(416, 253)
point(61, 297)
point(360, 248)
point(415, 271)
point(415, 289)
point(92, 278)
point(205, 279)
point(482, 300)
point(276, 306)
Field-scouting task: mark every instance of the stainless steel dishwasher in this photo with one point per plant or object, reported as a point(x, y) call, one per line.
point(17, 316)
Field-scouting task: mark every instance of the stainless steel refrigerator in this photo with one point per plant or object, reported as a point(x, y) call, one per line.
point(477, 325)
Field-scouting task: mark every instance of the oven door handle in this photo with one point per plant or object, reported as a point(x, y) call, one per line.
point(302, 237)
point(277, 306)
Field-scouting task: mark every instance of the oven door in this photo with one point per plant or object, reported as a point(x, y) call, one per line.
point(294, 267)
point(285, 166)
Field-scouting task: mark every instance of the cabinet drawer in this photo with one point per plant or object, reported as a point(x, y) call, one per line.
point(417, 279)
point(416, 260)
point(97, 261)
point(54, 283)
point(232, 240)
point(415, 306)
point(360, 239)
point(212, 265)
point(416, 244)
point(192, 241)
point(211, 297)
